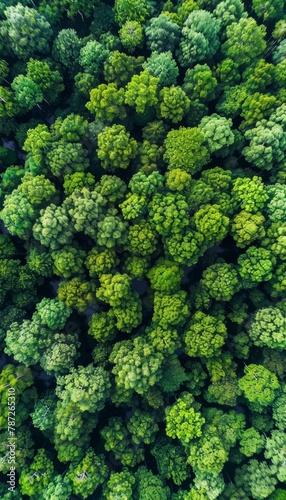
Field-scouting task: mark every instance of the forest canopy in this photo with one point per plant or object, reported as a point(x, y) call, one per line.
point(143, 250)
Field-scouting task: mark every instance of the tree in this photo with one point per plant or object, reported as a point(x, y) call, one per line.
point(200, 84)
point(141, 91)
point(178, 180)
point(131, 36)
point(92, 57)
point(199, 38)
point(53, 313)
point(101, 262)
point(255, 265)
point(78, 180)
point(221, 281)
point(26, 31)
point(183, 421)
point(53, 228)
point(162, 34)
point(170, 310)
point(217, 132)
point(150, 486)
point(142, 240)
point(205, 335)
point(143, 427)
point(35, 478)
point(120, 484)
point(256, 479)
point(163, 66)
point(207, 455)
point(67, 158)
point(102, 326)
point(259, 385)
point(174, 104)
point(245, 41)
point(74, 128)
point(27, 92)
point(116, 148)
point(114, 288)
point(112, 231)
point(117, 439)
point(229, 11)
point(89, 473)
point(106, 102)
point(247, 227)
point(165, 276)
point(85, 209)
point(271, 10)
point(185, 149)
point(87, 387)
point(171, 460)
point(268, 328)
point(119, 68)
point(207, 482)
point(77, 293)
point(137, 365)
point(250, 193)
point(48, 79)
point(125, 10)
point(66, 49)
point(251, 442)
point(111, 188)
point(211, 223)
point(275, 206)
point(59, 487)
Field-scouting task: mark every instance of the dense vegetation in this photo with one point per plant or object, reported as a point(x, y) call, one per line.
point(143, 248)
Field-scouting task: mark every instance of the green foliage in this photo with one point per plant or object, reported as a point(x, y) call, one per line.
point(35, 478)
point(87, 387)
point(217, 132)
point(49, 80)
point(174, 104)
point(66, 49)
point(116, 148)
point(126, 10)
point(67, 158)
point(136, 365)
point(251, 442)
point(245, 41)
point(163, 66)
point(250, 193)
point(205, 335)
point(142, 283)
point(185, 149)
point(150, 486)
point(256, 479)
point(119, 68)
point(119, 484)
point(259, 386)
point(88, 474)
point(267, 328)
point(221, 280)
point(255, 265)
point(162, 34)
point(77, 293)
point(183, 421)
point(170, 460)
point(199, 38)
point(26, 31)
point(106, 102)
point(131, 35)
point(247, 227)
point(199, 83)
point(53, 228)
point(53, 313)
